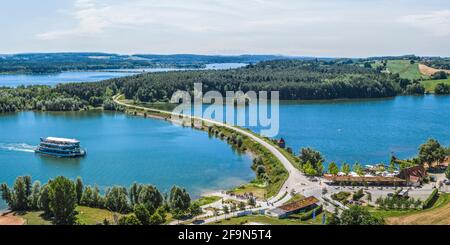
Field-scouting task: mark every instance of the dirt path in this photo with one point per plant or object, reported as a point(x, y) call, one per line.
point(438, 216)
point(11, 219)
point(426, 70)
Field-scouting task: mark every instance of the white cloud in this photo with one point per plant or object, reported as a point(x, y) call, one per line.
point(436, 22)
point(232, 16)
point(295, 27)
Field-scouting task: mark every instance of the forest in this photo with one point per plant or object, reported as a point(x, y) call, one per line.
point(59, 62)
point(295, 79)
point(140, 204)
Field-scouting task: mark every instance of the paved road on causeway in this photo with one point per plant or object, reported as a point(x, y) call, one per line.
point(296, 180)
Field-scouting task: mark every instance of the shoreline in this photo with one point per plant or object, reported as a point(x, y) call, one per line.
point(287, 165)
point(247, 152)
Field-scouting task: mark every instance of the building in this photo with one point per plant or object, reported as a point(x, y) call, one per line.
point(413, 175)
point(302, 205)
point(363, 180)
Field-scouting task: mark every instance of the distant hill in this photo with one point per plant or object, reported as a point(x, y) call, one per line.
point(59, 62)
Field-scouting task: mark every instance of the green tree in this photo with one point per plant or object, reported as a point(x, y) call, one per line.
point(431, 152)
point(439, 75)
point(79, 189)
point(97, 199)
point(142, 214)
point(86, 198)
point(252, 201)
point(260, 170)
point(35, 194)
point(117, 200)
point(157, 219)
point(392, 166)
point(150, 197)
point(233, 207)
point(239, 141)
point(334, 219)
point(346, 169)
point(447, 173)
point(6, 194)
point(358, 168)
point(129, 220)
point(333, 168)
point(63, 200)
point(195, 209)
point(179, 199)
point(312, 156)
point(319, 168)
point(308, 169)
point(241, 206)
point(442, 88)
point(134, 193)
point(20, 194)
point(357, 215)
point(44, 200)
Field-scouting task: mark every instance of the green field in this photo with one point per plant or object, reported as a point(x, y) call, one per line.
point(35, 218)
point(431, 84)
point(207, 200)
point(295, 198)
point(405, 69)
point(439, 206)
point(268, 220)
point(85, 216)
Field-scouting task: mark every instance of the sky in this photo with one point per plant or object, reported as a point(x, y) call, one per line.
point(322, 28)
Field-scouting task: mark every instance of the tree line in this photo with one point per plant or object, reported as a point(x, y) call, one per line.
point(139, 205)
point(294, 79)
point(311, 162)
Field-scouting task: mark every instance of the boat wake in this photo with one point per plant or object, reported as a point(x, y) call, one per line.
point(22, 147)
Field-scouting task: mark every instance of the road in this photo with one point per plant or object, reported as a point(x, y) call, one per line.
point(296, 181)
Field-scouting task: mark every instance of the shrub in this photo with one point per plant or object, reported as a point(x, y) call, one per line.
point(309, 215)
point(357, 195)
point(428, 203)
point(341, 196)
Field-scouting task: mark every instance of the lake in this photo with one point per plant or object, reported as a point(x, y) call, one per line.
point(121, 149)
point(14, 80)
point(365, 131)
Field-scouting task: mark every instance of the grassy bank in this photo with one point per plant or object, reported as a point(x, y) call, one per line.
point(207, 200)
point(274, 170)
point(405, 69)
point(439, 213)
point(431, 84)
point(261, 188)
point(85, 216)
point(260, 219)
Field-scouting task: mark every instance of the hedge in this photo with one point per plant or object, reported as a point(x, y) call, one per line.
point(428, 203)
point(308, 215)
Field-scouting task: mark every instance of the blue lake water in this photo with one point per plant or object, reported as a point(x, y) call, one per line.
point(14, 80)
point(365, 131)
point(121, 149)
point(124, 149)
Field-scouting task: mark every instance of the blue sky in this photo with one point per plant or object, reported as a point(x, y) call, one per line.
point(292, 27)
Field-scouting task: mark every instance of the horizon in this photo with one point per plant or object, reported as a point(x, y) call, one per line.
point(223, 55)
